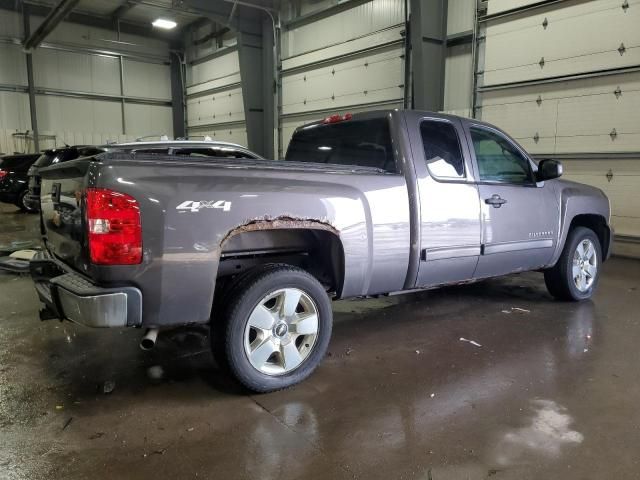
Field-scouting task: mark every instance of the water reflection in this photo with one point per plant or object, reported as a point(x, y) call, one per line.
point(420, 408)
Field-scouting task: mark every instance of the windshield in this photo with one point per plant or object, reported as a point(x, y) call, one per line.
point(364, 143)
point(52, 157)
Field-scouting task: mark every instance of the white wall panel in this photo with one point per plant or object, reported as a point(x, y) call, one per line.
point(623, 190)
point(10, 24)
point(571, 116)
point(220, 107)
point(215, 97)
point(498, 6)
point(336, 51)
point(13, 65)
point(234, 134)
point(458, 78)
point(147, 80)
point(57, 114)
point(374, 77)
point(91, 37)
point(148, 120)
point(343, 27)
point(76, 72)
point(580, 37)
point(460, 16)
point(220, 67)
point(14, 111)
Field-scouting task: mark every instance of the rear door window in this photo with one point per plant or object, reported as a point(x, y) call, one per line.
point(442, 150)
point(364, 143)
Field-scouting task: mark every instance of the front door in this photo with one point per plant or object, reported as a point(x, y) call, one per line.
point(519, 216)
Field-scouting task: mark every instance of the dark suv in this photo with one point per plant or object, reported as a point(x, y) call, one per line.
point(13, 179)
point(192, 148)
point(49, 157)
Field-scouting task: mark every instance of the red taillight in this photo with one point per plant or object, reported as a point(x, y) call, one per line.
point(3, 173)
point(337, 118)
point(115, 232)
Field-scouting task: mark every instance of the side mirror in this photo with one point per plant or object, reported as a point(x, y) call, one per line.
point(548, 170)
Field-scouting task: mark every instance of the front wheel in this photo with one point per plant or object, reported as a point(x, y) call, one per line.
point(277, 327)
point(577, 272)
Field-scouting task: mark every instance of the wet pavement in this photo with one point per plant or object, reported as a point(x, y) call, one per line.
point(546, 390)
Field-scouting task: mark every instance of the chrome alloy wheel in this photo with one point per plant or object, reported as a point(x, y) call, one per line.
point(281, 331)
point(585, 265)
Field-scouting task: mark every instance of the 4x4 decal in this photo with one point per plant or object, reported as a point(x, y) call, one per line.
point(196, 206)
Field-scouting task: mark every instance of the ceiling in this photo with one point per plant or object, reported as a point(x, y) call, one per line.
point(146, 11)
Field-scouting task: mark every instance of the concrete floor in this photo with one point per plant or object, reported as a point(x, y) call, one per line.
point(552, 392)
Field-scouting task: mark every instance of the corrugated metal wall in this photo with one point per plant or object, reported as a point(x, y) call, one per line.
point(215, 105)
point(352, 60)
point(68, 68)
point(564, 80)
point(458, 85)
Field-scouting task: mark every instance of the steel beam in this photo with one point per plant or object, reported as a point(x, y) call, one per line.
point(52, 20)
point(178, 96)
point(31, 89)
point(428, 25)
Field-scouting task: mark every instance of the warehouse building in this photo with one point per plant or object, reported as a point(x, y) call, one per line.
point(144, 158)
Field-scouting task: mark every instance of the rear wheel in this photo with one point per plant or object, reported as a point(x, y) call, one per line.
point(23, 204)
point(276, 328)
point(577, 272)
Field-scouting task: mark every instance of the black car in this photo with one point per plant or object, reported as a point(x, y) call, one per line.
point(47, 158)
point(13, 179)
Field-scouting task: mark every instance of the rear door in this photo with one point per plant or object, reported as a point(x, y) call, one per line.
point(519, 216)
point(449, 202)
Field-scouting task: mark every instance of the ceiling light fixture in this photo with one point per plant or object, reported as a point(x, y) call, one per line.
point(164, 23)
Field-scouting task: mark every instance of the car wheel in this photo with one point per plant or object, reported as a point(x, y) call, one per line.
point(276, 328)
point(577, 272)
point(23, 204)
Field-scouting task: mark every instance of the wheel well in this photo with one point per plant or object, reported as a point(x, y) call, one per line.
point(317, 251)
point(598, 224)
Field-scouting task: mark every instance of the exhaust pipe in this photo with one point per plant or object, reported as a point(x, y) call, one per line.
point(149, 339)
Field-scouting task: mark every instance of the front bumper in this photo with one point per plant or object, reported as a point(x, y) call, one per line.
point(69, 296)
point(32, 202)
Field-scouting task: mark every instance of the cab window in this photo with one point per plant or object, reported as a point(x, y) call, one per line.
point(442, 150)
point(498, 159)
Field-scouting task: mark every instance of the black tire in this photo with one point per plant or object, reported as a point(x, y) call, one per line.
point(21, 203)
point(559, 278)
point(243, 300)
point(223, 296)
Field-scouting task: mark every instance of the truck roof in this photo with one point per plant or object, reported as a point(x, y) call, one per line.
point(385, 112)
point(187, 143)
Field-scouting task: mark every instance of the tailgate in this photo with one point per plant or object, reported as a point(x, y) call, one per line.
point(63, 221)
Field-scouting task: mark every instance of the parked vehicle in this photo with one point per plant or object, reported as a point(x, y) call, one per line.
point(179, 147)
point(364, 204)
point(13, 179)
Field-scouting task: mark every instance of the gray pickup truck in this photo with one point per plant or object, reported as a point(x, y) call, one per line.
point(364, 204)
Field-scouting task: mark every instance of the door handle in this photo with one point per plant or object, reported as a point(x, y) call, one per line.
point(496, 201)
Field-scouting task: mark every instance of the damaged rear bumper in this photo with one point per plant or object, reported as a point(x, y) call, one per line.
point(69, 296)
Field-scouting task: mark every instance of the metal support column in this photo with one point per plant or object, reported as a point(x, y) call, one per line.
point(31, 89)
point(257, 68)
point(178, 96)
point(428, 30)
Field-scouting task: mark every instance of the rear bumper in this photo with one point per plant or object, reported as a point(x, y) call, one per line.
point(70, 296)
